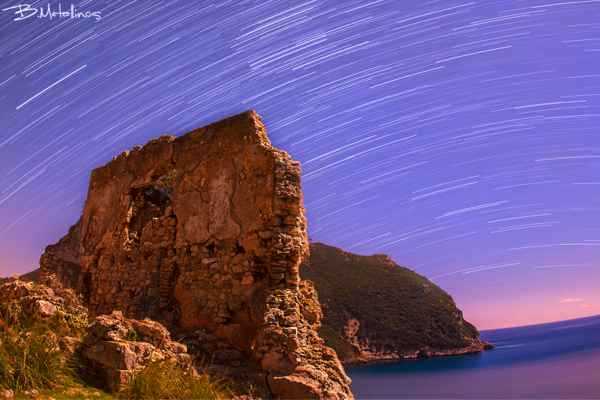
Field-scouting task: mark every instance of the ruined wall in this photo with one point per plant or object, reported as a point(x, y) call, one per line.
point(219, 250)
point(61, 258)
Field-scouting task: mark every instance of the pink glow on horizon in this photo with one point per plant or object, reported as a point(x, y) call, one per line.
point(493, 316)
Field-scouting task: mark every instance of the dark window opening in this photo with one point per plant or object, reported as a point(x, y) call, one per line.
point(151, 202)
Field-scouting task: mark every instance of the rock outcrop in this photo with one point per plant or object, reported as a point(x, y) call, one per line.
point(118, 347)
point(113, 347)
point(206, 231)
point(35, 300)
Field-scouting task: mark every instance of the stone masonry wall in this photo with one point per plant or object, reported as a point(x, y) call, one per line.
point(223, 257)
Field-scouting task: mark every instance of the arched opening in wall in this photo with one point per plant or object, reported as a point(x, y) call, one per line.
point(150, 202)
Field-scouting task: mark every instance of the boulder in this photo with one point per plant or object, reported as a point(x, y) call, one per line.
point(118, 347)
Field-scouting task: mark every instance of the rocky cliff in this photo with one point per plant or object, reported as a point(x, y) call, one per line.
point(207, 232)
point(375, 309)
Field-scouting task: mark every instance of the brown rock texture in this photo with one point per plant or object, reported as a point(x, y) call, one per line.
point(35, 300)
point(219, 254)
point(63, 257)
point(118, 347)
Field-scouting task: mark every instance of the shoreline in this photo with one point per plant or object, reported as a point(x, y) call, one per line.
point(477, 347)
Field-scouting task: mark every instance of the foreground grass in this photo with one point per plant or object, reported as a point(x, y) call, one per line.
point(33, 360)
point(33, 357)
point(82, 392)
point(157, 381)
point(167, 380)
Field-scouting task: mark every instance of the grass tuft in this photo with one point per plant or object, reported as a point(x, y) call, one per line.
point(132, 335)
point(167, 380)
point(30, 355)
point(32, 359)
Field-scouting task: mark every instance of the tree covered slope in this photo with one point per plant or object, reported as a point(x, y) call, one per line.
point(384, 308)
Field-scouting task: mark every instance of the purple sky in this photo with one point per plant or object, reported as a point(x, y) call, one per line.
point(462, 138)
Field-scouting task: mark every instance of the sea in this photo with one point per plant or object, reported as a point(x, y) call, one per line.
point(558, 360)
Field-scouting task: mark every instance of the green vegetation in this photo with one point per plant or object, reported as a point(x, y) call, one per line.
point(132, 335)
point(35, 356)
point(344, 349)
point(159, 195)
point(31, 360)
point(30, 354)
point(167, 380)
point(398, 309)
point(74, 315)
point(154, 199)
point(85, 391)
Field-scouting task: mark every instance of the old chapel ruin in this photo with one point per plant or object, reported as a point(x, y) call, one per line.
point(207, 232)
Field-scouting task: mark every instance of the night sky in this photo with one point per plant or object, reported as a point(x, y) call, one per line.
point(461, 138)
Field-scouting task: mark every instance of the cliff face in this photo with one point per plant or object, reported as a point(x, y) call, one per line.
point(375, 309)
point(206, 231)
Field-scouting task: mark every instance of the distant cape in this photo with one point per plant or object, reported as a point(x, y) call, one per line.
point(375, 309)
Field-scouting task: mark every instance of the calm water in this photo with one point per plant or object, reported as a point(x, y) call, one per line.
point(559, 360)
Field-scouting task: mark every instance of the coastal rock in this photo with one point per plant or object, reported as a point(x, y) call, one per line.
point(475, 347)
point(487, 345)
point(207, 232)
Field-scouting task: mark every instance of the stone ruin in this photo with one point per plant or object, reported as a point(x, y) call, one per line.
point(207, 232)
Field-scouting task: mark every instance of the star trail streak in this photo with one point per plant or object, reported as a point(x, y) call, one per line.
point(455, 136)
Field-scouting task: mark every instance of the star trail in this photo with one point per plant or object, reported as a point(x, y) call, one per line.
point(461, 138)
